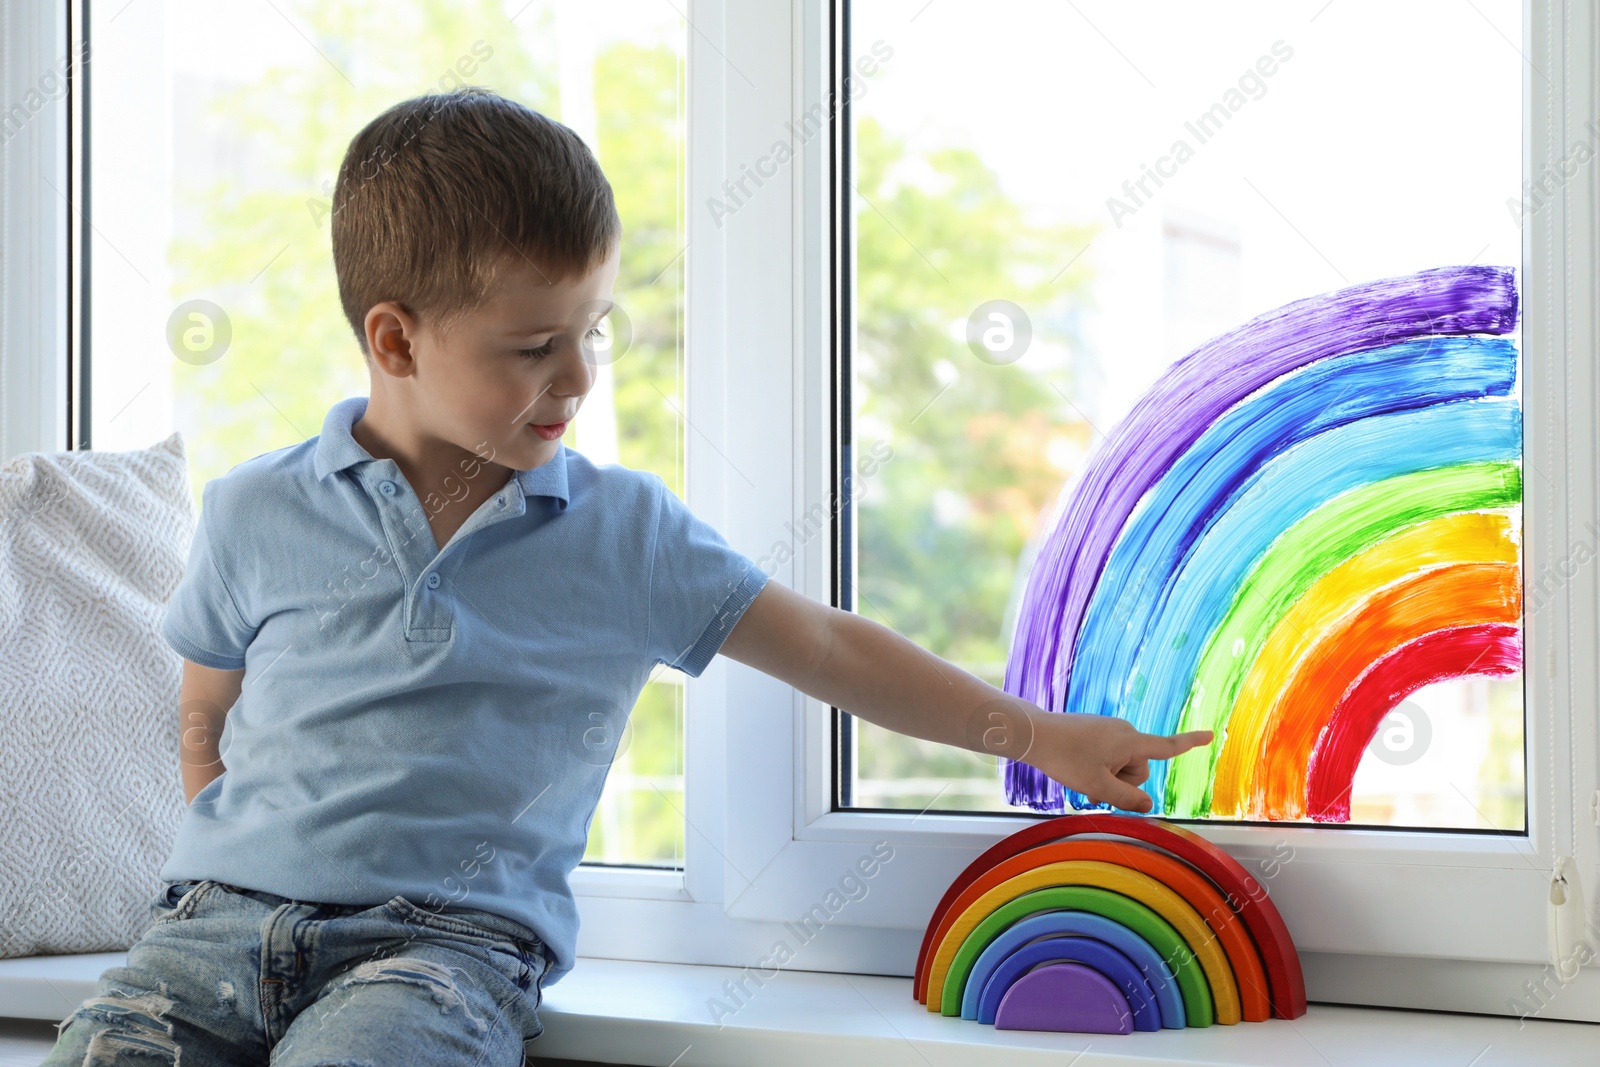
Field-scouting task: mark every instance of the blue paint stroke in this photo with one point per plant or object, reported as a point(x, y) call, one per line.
point(1209, 477)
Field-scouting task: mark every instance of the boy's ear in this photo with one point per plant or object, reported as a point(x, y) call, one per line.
point(391, 329)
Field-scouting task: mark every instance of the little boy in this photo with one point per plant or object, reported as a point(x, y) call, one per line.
point(409, 630)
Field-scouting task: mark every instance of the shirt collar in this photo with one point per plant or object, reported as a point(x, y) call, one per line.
point(337, 449)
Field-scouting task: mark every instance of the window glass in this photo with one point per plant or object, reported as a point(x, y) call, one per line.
point(1054, 205)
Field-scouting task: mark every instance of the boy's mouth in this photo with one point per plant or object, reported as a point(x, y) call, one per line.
point(551, 431)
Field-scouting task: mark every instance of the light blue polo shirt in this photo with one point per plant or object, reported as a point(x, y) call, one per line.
point(433, 724)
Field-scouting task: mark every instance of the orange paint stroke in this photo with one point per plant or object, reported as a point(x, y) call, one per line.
point(1396, 615)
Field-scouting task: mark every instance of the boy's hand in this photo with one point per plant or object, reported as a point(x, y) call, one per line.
point(1104, 758)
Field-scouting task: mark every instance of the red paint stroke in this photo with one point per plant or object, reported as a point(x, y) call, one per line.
point(1494, 648)
point(1436, 599)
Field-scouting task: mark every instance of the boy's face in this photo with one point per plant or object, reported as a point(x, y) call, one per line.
point(505, 379)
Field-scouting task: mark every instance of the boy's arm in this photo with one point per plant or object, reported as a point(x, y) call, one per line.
point(872, 672)
point(204, 698)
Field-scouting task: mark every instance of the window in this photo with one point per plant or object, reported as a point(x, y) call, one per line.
point(788, 261)
point(926, 182)
point(210, 228)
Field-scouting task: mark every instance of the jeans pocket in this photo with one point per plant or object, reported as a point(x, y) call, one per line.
point(176, 900)
point(523, 960)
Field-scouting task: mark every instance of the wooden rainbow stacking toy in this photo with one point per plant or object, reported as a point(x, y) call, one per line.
point(1156, 928)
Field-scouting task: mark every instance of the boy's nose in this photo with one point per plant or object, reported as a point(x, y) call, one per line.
point(578, 377)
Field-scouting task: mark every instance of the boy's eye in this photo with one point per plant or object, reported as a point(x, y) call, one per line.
point(546, 348)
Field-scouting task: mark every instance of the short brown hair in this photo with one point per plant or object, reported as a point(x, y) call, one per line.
point(441, 190)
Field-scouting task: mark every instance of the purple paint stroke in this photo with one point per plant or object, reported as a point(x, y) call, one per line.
point(1189, 397)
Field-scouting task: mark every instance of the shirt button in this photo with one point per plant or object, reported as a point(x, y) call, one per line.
point(500, 502)
point(387, 488)
point(433, 579)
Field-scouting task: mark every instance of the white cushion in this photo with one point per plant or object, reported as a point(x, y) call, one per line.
point(92, 546)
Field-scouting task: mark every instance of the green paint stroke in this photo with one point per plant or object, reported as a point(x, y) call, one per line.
point(1346, 525)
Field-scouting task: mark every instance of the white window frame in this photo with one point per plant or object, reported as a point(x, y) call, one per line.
point(35, 268)
point(1432, 920)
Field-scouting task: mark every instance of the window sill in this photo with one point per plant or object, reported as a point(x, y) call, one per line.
point(623, 1011)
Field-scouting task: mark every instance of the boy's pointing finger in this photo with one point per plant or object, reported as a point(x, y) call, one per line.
point(1157, 746)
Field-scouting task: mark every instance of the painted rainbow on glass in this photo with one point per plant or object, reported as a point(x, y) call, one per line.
point(1303, 521)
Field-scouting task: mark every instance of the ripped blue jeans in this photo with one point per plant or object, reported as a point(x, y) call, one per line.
point(234, 976)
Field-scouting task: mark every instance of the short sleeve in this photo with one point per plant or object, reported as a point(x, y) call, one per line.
point(699, 586)
point(203, 622)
